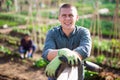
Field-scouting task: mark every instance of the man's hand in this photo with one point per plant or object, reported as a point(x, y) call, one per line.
point(72, 58)
point(52, 67)
point(64, 55)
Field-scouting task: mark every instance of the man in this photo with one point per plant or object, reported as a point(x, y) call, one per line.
point(27, 47)
point(67, 40)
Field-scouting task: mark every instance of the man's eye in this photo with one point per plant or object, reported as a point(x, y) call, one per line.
point(63, 15)
point(70, 15)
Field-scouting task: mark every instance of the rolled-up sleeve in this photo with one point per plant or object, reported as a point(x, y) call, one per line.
point(85, 45)
point(49, 44)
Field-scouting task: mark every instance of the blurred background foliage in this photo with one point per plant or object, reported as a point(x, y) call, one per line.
point(101, 17)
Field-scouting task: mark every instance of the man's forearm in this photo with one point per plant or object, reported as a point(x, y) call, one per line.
point(52, 54)
point(78, 54)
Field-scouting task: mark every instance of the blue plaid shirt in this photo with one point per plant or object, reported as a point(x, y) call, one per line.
point(79, 40)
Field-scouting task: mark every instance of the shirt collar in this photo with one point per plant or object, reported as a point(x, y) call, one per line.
point(71, 34)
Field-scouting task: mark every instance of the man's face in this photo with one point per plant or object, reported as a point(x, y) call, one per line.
point(68, 18)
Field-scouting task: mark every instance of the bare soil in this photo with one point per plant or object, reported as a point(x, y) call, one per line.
point(14, 68)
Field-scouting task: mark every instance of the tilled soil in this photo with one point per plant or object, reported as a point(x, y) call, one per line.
point(14, 68)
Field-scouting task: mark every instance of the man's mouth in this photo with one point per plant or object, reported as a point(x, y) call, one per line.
point(68, 23)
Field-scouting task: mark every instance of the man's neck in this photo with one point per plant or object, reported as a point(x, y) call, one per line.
point(67, 31)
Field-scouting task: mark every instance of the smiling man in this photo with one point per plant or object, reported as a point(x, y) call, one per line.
point(67, 40)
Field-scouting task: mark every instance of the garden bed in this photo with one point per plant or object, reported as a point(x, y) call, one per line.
point(14, 68)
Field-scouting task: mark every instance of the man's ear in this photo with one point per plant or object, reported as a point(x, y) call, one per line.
point(77, 18)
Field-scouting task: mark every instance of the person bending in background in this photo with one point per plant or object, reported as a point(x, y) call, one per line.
point(27, 47)
point(68, 40)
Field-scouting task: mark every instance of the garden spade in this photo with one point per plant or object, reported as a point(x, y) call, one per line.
point(71, 73)
point(75, 72)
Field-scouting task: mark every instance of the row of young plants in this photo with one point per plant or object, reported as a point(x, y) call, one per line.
point(16, 19)
point(87, 8)
point(12, 19)
point(107, 63)
point(109, 46)
point(106, 27)
point(21, 18)
point(104, 60)
point(9, 39)
point(104, 45)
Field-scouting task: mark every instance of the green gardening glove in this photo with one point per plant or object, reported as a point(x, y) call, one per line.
point(52, 67)
point(72, 58)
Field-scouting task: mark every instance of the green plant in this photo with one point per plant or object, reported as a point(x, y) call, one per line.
point(90, 75)
point(105, 46)
point(41, 63)
point(115, 45)
point(100, 59)
point(5, 50)
point(107, 28)
point(109, 46)
point(115, 42)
